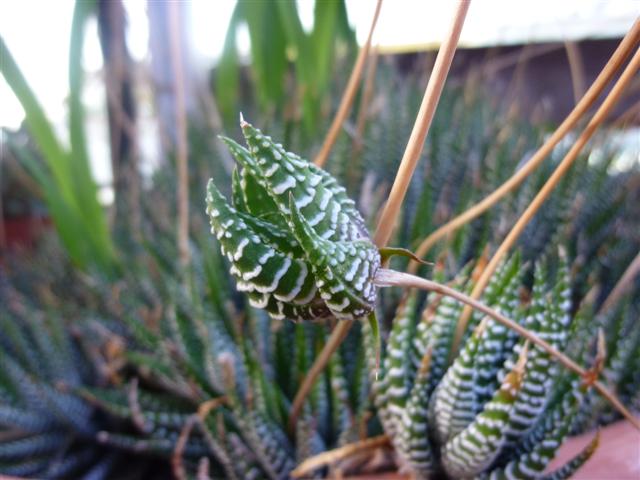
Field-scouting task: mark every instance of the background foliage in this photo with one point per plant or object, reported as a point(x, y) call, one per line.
point(111, 351)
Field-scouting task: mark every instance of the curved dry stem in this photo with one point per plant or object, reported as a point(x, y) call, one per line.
point(626, 47)
point(623, 284)
point(332, 456)
point(560, 171)
point(388, 278)
point(203, 410)
point(421, 127)
point(182, 148)
point(335, 339)
point(627, 116)
point(137, 415)
point(349, 94)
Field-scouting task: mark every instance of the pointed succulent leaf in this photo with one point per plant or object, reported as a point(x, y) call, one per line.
point(399, 367)
point(475, 448)
point(270, 444)
point(548, 318)
point(274, 280)
point(531, 465)
point(454, 401)
point(498, 341)
point(241, 461)
point(295, 242)
point(398, 377)
point(573, 465)
point(331, 214)
point(237, 193)
point(249, 195)
point(344, 271)
point(413, 443)
point(342, 415)
point(437, 333)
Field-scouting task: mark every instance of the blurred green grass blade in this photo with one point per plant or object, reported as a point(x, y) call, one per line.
point(297, 40)
point(343, 29)
point(54, 181)
point(86, 194)
point(323, 40)
point(268, 49)
point(67, 183)
point(64, 217)
point(76, 80)
point(300, 44)
point(39, 126)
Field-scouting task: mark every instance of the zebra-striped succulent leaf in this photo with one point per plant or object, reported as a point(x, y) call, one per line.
point(474, 449)
point(295, 241)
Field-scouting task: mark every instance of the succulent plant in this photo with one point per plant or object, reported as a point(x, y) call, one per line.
point(295, 241)
point(503, 407)
point(185, 373)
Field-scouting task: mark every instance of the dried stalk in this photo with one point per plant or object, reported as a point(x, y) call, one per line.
point(623, 284)
point(626, 47)
point(182, 149)
point(367, 92)
point(333, 456)
point(349, 94)
point(137, 415)
point(576, 67)
point(203, 410)
point(388, 278)
point(630, 114)
point(545, 191)
point(412, 153)
point(421, 127)
point(494, 65)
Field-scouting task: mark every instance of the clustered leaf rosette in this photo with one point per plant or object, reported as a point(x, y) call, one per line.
point(296, 243)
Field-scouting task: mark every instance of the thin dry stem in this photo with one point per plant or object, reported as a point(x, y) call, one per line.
point(349, 94)
point(576, 67)
point(176, 459)
point(212, 116)
point(626, 47)
point(182, 148)
point(494, 65)
point(623, 284)
point(367, 92)
point(387, 278)
point(333, 456)
point(514, 90)
point(546, 190)
point(203, 410)
point(137, 414)
point(629, 115)
point(421, 127)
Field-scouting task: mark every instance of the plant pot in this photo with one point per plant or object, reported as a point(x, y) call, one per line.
point(617, 456)
point(23, 231)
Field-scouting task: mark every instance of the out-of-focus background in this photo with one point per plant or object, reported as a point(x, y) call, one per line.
point(546, 37)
